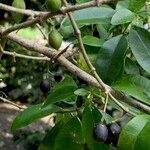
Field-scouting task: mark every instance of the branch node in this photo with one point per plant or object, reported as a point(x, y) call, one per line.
point(78, 32)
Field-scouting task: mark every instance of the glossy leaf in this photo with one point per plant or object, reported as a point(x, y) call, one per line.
point(91, 15)
point(70, 136)
point(61, 91)
point(31, 114)
point(139, 40)
point(111, 58)
point(136, 86)
point(122, 16)
point(89, 118)
point(133, 132)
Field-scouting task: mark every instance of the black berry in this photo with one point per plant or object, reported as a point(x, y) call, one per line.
point(100, 132)
point(113, 133)
point(57, 77)
point(45, 85)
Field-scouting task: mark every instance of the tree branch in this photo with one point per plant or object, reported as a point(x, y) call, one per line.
point(41, 17)
point(49, 52)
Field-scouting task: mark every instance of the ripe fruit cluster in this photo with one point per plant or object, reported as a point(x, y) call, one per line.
point(107, 133)
point(45, 84)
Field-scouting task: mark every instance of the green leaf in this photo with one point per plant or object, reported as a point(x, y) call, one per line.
point(92, 41)
point(139, 40)
point(82, 92)
point(135, 5)
point(89, 118)
point(122, 4)
point(122, 16)
point(131, 67)
point(92, 15)
point(137, 128)
point(142, 141)
point(136, 86)
point(61, 91)
point(111, 58)
point(49, 140)
point(31, 114)
point(70, 136)
point(103, 31)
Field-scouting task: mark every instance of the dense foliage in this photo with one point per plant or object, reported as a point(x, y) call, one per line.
point(116, 37)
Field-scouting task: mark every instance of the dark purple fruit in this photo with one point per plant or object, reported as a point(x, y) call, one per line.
point(57, 77)
point(45, 85)
point(113, 129)
point(113, 133)
point(100, 132)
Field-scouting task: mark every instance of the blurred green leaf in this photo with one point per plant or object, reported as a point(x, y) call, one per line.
point(136, 132)
point(135, 5)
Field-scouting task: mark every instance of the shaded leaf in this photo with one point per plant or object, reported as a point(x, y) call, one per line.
point(139, 40)
point(111, 57)
point(49, 140)
point(31, 114)
point(70, 136)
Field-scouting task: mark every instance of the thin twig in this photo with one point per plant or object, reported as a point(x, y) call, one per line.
point(83, 51)
point(49, 52)
point(14, 54)
point(120, 105)
point(10, 102)
point(40, 29)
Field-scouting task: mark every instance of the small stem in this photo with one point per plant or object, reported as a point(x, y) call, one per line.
point(14, 54)
point(10, 102)
point(121, 106)
point(68, 110)
point(40, 29)
point(105, 106)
